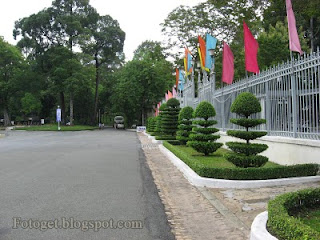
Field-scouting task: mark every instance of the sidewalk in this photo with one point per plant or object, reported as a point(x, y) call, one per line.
point(190, 214)
point(202, 213)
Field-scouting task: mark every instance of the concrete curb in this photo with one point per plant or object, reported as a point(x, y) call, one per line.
point(153, 139)
point(259, 228)
point(198, 181)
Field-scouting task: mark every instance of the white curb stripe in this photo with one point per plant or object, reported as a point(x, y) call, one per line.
point(259, 228)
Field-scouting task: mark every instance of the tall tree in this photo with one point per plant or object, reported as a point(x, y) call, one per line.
point(11, 69)
point(307, 15)
point(106, 47)
point(221, 18)
point(142, 83)
point(274, 45)
point(62, 24)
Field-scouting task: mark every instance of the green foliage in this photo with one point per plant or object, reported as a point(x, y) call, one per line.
point(253, 173)
point(274, 44)
point(163, 107)
point(206, 131)
point(251, 149)
point(245, 104)
point(245, 135)
point(305, 12)
point(151, 124)
point(281, 220)
point(202, 139)
point(54, 127)
point(205, 123)
point(165, 137)
point(158, 130)
point(204, 110)
point(30, 104)
point(140, 84)
point(183, 25)
point(173, 103)
point(185, 125)
point(247, 123)
point(11, 68)
point(245, 161)
point(169, 118)
point(48, 39)
point(245, 154)
point(186, 113)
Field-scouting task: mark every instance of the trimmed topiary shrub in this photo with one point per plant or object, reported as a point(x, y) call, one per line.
point(203, 140)
point(281, 214)
point(151, 124)
point(157, 130)
point(169, 120)
point(185, 125)
point(245, 154)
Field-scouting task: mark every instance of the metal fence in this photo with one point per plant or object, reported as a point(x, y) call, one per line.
point(289, 95)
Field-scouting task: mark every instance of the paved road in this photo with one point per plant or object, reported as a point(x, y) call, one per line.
point(57, 176)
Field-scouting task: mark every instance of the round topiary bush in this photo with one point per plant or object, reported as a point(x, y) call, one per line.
point(245, 154)
point(203, 140)
point(185, 125)
point(169, 120)
point(245, 104)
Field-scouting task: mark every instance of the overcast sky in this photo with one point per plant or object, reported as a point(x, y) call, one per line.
point(139, 19)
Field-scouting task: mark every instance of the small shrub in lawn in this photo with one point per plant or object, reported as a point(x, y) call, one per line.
point(245, 154)
point(185, 125)
point(169, 120)
point(203, 140)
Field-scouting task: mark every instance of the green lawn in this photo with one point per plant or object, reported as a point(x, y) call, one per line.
point(54, 127)
point(216, 160)
point(311, 218)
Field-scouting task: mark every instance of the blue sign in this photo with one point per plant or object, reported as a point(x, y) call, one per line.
point(58, 115)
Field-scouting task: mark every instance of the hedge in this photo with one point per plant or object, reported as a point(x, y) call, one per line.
point(237, 173)
point(281, 221)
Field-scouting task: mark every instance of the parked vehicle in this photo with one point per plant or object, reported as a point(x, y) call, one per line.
point(119, 122)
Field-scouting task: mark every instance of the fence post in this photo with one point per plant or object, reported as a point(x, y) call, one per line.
point(294, 98)
point(268, 107)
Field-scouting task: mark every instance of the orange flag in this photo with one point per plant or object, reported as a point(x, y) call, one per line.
point(202, 52)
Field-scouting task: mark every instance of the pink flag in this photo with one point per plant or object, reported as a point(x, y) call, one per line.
point(227, 64)
point(166, 97)
point(251, 47)
point(169, 95)
point(174, 92)
point(294, 43)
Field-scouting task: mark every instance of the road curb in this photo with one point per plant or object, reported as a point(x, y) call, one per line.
point(259, 228)
point(198, 181)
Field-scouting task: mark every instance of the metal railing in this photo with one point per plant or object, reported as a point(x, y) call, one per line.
point(289, 95)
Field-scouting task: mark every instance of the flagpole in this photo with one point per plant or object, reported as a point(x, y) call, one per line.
point(222, 107)
point(247, 83)
point(293, 98)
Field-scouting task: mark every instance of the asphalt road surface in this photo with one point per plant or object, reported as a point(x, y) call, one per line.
point(78, 185)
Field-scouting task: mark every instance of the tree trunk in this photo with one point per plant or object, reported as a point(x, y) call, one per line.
point(7, 121)
point(71, 109)
point(63, 108)
point(142, 117)
point(96, 98)
point(311, 35)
